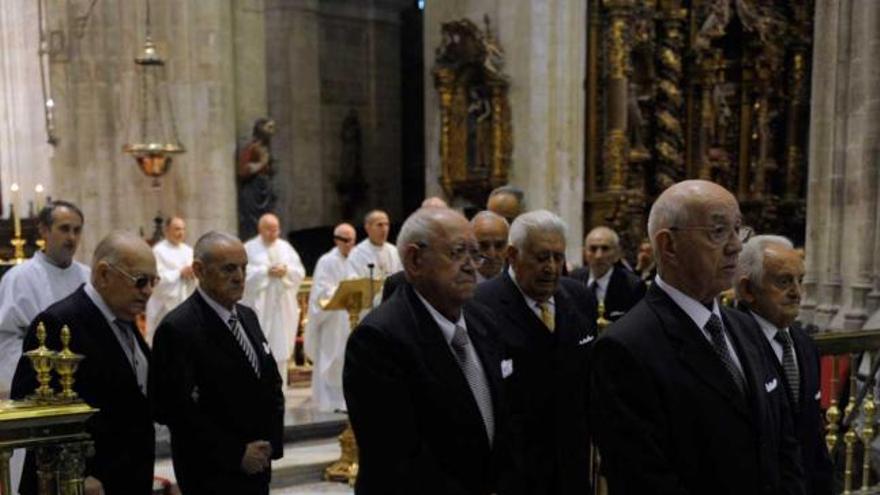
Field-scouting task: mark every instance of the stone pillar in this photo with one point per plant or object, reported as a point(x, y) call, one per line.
point(93, 80)
point(545, 56)
point(843, 208)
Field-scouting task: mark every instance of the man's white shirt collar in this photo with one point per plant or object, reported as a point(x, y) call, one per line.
point(534, 305)
point(770, 330)
point(222, 312)
point(602, 283)
point(100, 303)
point(694, 309)
point(446, 326)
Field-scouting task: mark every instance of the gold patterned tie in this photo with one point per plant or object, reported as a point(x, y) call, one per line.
point(547, 316)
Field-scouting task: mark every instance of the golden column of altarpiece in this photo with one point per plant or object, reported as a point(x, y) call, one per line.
point(710, 89)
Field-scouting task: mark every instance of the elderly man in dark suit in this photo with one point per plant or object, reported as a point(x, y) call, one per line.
point(547, 325)
point(613, 284)
point(113, 376)
point(684, 400)
point(768, 287)
point(422, 376)
point(214, 381)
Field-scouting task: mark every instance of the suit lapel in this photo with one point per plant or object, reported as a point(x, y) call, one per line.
point(438, 355)
point(750, 359)
point(694, 351)
point(518, 308)
point(110, 346)
point(221, 336)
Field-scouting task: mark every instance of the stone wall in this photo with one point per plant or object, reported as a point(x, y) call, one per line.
point(843, 210)
point(545, 54)
point(323, 60)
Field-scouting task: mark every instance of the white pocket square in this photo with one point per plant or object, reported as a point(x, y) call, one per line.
point(771, 385)
point(195, 394)
point(615, 314)
point(506, 368)
point(818, 394)
point(266, 348)
point(586, 340)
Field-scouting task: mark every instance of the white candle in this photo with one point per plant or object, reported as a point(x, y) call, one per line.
point(39, 190)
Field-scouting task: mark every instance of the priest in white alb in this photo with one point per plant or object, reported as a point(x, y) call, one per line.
point(327, 331)
point(176, 278)
point(375, 254)
point(274, 273)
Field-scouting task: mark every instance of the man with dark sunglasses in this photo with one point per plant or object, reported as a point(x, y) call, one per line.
point(327, 331)
point(113, 375)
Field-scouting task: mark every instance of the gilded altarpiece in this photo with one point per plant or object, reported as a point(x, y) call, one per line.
point(475, 132)
point(711, 89)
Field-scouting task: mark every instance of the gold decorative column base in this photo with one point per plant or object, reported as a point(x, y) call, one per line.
point(345, 469)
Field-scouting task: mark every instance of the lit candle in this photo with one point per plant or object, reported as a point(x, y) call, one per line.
point(39, 190)
point(16, 220)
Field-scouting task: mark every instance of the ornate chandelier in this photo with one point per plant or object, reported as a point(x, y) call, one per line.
point(153, 138)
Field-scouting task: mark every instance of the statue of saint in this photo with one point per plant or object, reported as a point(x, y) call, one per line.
point(256, 195)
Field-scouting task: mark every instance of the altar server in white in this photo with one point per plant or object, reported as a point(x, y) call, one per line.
point(327, 331)
point(176, 278)
point(375, 250)
point(274, 273)
point(29, 288)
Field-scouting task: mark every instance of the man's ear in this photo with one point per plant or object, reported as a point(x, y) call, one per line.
point(413, 258)
point(100, 273)
point(512, 254)
point(198, 268)
point(43, 230)
point(666, 247)
point(746, 290)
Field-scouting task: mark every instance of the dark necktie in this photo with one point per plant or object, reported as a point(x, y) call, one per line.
point(467, 360)
point(713, 326)
point(789, 364)
point(138, 363)
point(242, 340)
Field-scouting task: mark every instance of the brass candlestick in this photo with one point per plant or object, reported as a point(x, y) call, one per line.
point(18, 249)
point(601, 321)
point(66, 363)
point(42, 359)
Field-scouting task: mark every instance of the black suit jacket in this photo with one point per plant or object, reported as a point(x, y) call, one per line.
point(668, 418)
point(417, 425)
point(548, 389)
point(122, 430)
point(206, 391)
point(807, 415)
point(625, 290)
point(392, 282)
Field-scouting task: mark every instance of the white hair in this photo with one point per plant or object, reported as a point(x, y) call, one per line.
point(667, 211)
point(751, 258)
point(204, 247)
point(535, 221)
point(421, 226)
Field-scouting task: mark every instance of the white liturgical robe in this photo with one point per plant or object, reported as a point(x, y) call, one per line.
point(327, 332)
point(384, 258)
point(172, 289)
point(274, 298)
point(25, 291)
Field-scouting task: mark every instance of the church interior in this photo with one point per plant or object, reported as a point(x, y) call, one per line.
point(140, 112)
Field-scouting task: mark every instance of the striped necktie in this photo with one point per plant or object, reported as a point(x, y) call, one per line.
point(243, 342)
point(789, 364)
point(713, 326)
point(468, 361)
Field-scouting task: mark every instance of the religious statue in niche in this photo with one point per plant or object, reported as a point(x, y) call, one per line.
point(351, 185)
point(256, 167)
point(475, 135)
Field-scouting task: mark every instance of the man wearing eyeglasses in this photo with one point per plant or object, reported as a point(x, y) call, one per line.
point(423, 373)
point(327, 331)
point(769, 286)
point(683, 398)
point(618, 288)
point(113, 375)
point(547, 324)
point(214, 381)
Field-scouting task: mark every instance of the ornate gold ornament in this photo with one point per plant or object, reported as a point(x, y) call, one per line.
point(475, 132)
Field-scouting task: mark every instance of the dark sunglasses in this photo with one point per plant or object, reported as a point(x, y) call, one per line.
point(342, 239)
point(141, 281)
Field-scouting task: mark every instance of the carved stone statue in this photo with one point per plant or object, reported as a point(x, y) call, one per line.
point(351, 186)
point(255, 170)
